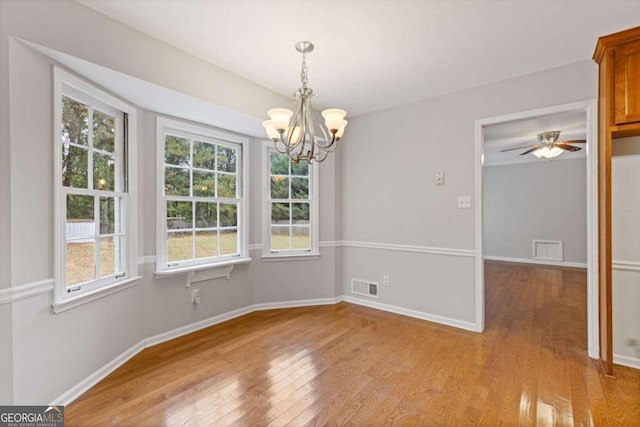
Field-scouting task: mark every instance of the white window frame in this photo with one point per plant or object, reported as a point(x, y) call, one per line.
point(225, 263)
point(66, 298)
point(268, 147)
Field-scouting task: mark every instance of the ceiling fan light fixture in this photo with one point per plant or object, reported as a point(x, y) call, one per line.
point(547, 153)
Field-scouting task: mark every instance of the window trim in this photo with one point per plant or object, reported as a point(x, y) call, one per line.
point(65, 83)
point(314, 201)
point(179, 127)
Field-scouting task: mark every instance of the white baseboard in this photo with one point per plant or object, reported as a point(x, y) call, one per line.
point(76, 391)
point(184, 330)
point(298, 303)
point(631, 362)
point(536, 261)
point(461, 324)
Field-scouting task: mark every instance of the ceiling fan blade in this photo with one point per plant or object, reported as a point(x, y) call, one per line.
point(517, 148)
point(566, 147)
point(535, 147)
point(573, 141)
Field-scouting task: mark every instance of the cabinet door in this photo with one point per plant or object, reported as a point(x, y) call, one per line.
point(627, 82)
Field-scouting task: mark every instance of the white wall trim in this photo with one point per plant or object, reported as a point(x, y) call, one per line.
point(468, 253)
point(631, 362)
point(9, 295)
point(590, 109)
point(461, 324)
point(537, 261)
point(626, 265)
point(255, 247)
point(76, 391)
point(298, 303)
point(184, 330)
point(147, 259)
point(330, 244)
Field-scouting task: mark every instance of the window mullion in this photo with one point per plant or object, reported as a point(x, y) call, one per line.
point(96, 237)
point(90, 148)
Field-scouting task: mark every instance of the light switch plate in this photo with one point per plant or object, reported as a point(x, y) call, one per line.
point(439, 178)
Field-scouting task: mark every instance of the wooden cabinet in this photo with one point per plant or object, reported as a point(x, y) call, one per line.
point(618, 58)
point(627, 82)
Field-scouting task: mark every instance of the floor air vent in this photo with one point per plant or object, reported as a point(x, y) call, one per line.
point(364, 287)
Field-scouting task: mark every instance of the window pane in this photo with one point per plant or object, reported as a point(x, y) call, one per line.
point(206, 215)
point(204, 155)
point(227, 158)
point(204, 184)
point(74, 166)
point(176, 150)
point(110, 254)
point(81, 262)
point(280, 213)
point(226, 186)
point(107, 215)
point(300, 213)
point(279, 238)
point(179, 215)
point(206, 244)
point(279, 187)
point(176, 182)
point(75, 121)
point(300, 168)
point(80, 219)
point(279, 164)
point(179, 246)
point(300, 188)
point(104, 131)
point(228, 215)
point(228, 242)
point(103, 172)
point(300, 238)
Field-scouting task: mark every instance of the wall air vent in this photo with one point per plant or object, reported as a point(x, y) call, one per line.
point(364, 287)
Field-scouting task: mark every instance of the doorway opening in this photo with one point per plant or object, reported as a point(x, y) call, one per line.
point(584, 112)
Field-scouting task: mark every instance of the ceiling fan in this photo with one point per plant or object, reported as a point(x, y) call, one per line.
point(548, 145)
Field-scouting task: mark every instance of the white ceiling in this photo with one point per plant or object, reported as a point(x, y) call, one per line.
point(375, 54)
point(523, 133)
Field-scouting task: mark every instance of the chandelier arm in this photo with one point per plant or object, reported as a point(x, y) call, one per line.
point(312, 133)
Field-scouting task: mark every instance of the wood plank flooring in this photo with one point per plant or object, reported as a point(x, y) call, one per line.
point(349, 365)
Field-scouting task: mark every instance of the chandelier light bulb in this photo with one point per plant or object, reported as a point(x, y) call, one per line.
point(272, 133)
point(280, 118)
point(333, 118)
point(341, 130)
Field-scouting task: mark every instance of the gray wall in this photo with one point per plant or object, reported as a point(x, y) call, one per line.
point(538, 200)
point(389, 197)
point(625, 176)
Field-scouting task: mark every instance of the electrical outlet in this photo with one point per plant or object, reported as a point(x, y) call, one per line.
point(195, 296)
point(439, 178)
point(464, 202)
point(386, 281)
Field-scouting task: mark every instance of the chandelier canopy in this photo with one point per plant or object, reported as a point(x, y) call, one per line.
point(301, 135)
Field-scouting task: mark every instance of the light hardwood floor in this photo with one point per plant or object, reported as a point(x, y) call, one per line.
point(350, 365)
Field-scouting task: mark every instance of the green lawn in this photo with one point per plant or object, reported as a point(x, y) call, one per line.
point(81, 267)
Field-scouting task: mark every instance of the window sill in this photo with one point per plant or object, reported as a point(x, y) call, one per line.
point(76, 301)
point(291, 257)
point(200, 273)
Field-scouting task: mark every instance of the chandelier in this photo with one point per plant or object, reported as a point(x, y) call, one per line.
point(300, 135)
